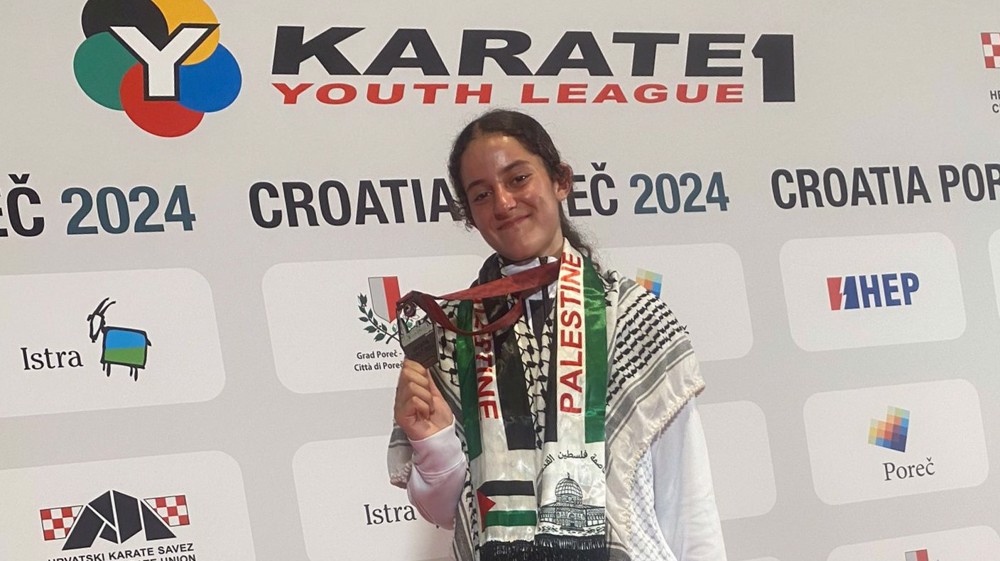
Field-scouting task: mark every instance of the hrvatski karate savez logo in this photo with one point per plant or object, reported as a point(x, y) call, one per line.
point(159, 61)
point(114, 517)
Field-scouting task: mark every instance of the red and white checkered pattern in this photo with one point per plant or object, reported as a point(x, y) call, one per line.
point(56, 522)
point(991, 49)
point(172, 509)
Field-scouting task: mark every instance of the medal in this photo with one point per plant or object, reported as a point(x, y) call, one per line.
point(420, 341)
point(418, 338)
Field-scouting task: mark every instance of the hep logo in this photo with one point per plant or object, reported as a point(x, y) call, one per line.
point(160, 61)
point(872, 291)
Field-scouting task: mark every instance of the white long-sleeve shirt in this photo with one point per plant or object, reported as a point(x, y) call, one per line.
point(674, 501)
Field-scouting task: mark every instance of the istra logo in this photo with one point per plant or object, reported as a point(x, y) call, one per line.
point(991, 49)
point(917, 555)
point(871, 291)
point(890, 433)
point(649, 280)
point(159, 61)
point(115, 517)
point(122, 346)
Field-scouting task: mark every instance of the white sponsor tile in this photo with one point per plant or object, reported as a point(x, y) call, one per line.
point(995, 262)
point(945, 446)
point(314, 313)
point(704, 285)
point(209, 484)
point(348, 505)
point(935, 313)
point(963, 544)
point(48, 363)
point(739, 451)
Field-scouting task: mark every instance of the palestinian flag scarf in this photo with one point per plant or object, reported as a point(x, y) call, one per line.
point(534, 421)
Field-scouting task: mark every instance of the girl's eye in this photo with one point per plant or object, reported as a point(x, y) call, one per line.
point(480, 195)
point(518, 179)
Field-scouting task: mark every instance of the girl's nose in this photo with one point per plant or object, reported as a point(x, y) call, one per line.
point(503, 201)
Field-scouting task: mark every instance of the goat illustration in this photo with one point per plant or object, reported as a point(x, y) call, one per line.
point(120, 345)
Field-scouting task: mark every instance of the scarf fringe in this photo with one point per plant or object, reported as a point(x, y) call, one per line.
point(559, 548)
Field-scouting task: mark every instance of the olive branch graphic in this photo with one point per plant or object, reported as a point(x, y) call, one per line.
point(373, 325)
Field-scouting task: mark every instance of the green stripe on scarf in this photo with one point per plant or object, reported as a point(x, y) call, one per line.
point(466, 363)
point(597, 353)
point(511, 518)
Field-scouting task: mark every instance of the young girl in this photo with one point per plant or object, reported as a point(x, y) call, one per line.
point(572, 434)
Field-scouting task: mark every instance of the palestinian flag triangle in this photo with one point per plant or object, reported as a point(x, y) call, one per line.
point(507, 503)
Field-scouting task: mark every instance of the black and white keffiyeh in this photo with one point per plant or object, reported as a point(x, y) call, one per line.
point(652, 373)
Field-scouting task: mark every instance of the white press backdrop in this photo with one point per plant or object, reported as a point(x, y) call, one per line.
point(265, 395)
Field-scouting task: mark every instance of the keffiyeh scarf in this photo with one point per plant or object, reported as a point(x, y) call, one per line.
point(554, 426)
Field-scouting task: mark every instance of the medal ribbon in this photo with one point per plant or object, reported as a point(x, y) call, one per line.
point(520, 285)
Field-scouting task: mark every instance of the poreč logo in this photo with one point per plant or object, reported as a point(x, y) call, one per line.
point(159, 61)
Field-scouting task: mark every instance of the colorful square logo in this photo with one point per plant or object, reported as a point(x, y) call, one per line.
point(649, 280)
point(891, 433)
point(918, 555)
point(991, 49)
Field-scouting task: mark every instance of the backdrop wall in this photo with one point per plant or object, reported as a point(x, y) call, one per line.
point(210, 209)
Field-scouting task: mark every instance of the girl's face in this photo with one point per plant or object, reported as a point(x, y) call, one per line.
point(514, 202)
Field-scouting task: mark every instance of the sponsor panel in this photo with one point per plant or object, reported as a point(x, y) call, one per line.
point(995, 262)
point(105, 340)
point(890, 441)
point(978, 542)
point(333, 324)
point(347, 505)
point(704, 285)
point(872, 290)
point(345, 83)
point(739, 451)
point(158, 508)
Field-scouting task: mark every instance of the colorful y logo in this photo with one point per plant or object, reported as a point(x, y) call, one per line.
point(160, 61)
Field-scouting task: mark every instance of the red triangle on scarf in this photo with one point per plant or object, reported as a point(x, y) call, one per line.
point(485, 504)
